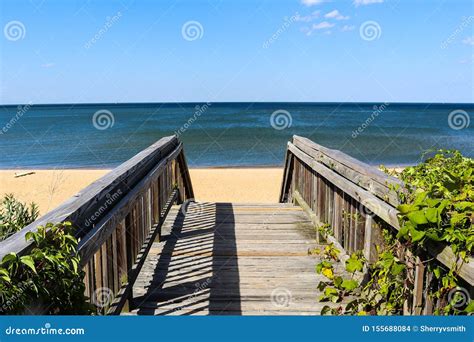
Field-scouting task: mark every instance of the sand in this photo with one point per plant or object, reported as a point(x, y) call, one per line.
point(49, 188)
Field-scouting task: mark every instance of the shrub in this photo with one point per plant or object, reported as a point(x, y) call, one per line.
point(15, 215)
point(48, 276)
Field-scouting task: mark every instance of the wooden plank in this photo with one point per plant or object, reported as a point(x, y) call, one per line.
point(121, 253)
point(337, 220)
point(369, 248)
point(183, 166)
point(287, 177)
point(115, 265)
point(418, 286)
point(239, 264)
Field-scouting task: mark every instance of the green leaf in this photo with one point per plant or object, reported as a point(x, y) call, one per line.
point(432, 215)
point(406, 208)
point(354, 264)
point(326, 310)
point(458, 218)
point(5, 275)
point(417, 217)
point(74, 263)
point(470, 307)
point(403, 232)
point(437, 272)
point(416, 235)
point(337, 281)
point(332, 294)
point(322, 265)
point(322, 285)
point(349, 284)
point(28, 261)
point(432, 235)
point(10, 257)
point(397, 268)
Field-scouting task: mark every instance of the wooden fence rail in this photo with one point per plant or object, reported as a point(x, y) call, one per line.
point(117, 218)
point(356, 199)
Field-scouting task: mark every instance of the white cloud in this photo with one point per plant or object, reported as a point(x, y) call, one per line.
point(47, 65)
point(336, 15)
point(312, 2)
point(322, 25)
point(366, 2)
point(307, 18)
point(469, 41)
point(347, 28)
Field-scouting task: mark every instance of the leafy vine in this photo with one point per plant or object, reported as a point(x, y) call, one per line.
point(437, 206)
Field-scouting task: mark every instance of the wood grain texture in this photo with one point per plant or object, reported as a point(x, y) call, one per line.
point(82, 209)
point(364, 189)
point(221, 259)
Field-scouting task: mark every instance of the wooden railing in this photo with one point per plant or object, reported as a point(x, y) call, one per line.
point(117, 218)
point(356, 200)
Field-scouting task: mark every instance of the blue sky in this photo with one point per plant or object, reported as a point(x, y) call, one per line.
point(300, 50)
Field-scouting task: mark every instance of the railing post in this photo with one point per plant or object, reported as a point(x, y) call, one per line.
point(285, 195)
point(368, 239)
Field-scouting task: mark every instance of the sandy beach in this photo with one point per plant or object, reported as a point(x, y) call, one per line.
point(49, 188)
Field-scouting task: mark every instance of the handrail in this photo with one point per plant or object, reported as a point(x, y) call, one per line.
point(354, 199)
point(118, 217)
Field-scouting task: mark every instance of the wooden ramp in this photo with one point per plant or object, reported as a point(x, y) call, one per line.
point(231, 259)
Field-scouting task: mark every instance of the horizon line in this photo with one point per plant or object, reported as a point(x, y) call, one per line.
point(226, 102)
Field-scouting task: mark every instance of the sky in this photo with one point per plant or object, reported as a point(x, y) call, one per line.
point(55, 51)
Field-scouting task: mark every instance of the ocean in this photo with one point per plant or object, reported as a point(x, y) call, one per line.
point(228, 134)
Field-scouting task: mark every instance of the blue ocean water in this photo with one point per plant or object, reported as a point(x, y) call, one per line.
point(228, 134)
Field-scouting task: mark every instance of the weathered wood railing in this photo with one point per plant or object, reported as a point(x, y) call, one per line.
point(117, 218)
point(355, 200)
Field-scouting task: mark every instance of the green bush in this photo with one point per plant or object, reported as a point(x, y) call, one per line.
point(437, 205)
point(48, 276)
point(15, 215)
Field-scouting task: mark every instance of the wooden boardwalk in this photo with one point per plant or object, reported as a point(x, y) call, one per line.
point(231, 259)
point(234, 259)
